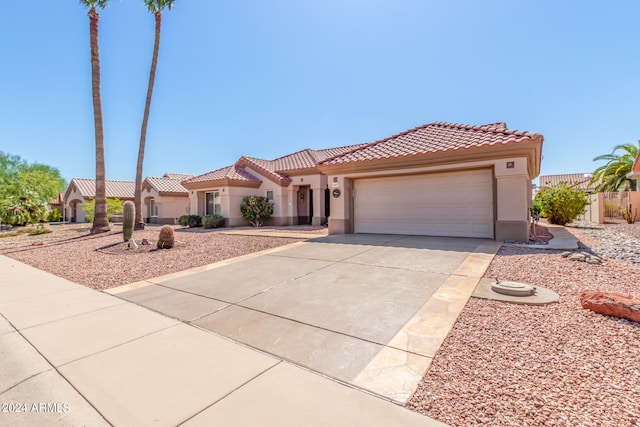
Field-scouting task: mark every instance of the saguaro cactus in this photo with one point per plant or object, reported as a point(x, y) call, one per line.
point(128, 215)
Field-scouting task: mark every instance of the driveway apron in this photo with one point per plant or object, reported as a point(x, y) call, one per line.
point(367, 310)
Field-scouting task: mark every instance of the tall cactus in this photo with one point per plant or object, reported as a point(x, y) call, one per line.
point(128, 214)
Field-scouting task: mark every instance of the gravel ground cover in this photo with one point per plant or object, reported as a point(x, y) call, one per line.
point(513, 365)
point(102, 261)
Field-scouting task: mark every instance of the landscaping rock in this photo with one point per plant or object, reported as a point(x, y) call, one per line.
point(612, 304)
point(132, 244)
point(566, 254)
point(583, 257)
point(611, 243)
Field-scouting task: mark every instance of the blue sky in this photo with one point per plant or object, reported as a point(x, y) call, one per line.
point(264, 79)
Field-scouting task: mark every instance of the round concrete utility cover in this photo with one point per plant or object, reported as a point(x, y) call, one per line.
point(513, 288)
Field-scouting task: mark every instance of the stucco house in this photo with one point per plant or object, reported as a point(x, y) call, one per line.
point(82, 190)
point(298, 190)
point(441, 179)
point(164, 198)
point(57, 204)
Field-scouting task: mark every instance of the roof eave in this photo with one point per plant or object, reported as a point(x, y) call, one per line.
point(225, 182)
point(531, 149)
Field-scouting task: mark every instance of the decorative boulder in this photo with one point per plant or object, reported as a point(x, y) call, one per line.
point(166, 239)
point(612, 305)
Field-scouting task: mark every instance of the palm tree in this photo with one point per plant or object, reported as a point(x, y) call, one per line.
point(155, 7)
point(100, 221)
point(612, 176)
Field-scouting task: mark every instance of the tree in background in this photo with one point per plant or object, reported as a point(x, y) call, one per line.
point(612, 176)
point(26, 188)
point(155, 7)
point(114, 207)
point(100, 221)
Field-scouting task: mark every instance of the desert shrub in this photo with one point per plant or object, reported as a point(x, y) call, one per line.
point(194, 221)
point(183, 220)
point(630, 215)
point(114, 207)
point(212, 221)
point(561, 204)
point(40, 230)
point(23, 209)
point(54, 216)
point(256, 209)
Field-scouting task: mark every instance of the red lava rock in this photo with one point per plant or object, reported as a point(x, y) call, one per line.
point(38, 243)
point(612, 305)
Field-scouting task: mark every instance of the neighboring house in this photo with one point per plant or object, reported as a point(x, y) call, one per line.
point(635, 171)
point(298, 190)
point(577, 180)
point(57, 204)
point(165, 199)
point(82, 190)
point(439, 179)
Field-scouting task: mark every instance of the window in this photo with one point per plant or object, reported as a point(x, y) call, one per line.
point(212, 203)
point(153, 208)
point(270, 196)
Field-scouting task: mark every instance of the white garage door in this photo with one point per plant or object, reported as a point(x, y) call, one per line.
point(445, 204)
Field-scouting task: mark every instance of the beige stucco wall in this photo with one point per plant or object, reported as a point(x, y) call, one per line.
point(512, 194)
point(71, 199)
point(285, 199)
point(170, 208)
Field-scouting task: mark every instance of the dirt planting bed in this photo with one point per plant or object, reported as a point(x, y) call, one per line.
point(560, 365)
point(103, 261)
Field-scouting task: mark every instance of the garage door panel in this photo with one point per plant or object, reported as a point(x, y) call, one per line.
point(451, 204)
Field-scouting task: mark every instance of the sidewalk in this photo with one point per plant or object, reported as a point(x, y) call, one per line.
point(74, 356)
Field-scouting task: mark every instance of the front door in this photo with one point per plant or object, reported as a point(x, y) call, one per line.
point(303, 206)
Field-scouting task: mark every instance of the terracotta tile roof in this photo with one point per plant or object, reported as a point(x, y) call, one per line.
point(114, 189)
point(179, 176)
point(278, 169)
point(300, 160)
point(432, 138)
point(165, 184)
point(57, 200)
point(581, 180)
point(265, 167)
point(226, 173)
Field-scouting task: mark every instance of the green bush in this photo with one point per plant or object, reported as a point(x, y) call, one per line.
point(212, 221)
point(114, 207)
point(256, 209)
point(22, 210)
point(194, 221)
point(54, 216)
point(561, 204)
point(183, 220)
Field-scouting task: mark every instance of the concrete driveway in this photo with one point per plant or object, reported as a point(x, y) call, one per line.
point(368, 310)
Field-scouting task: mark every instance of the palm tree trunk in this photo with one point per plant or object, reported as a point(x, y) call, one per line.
point(139, 224)
point(100, 221)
